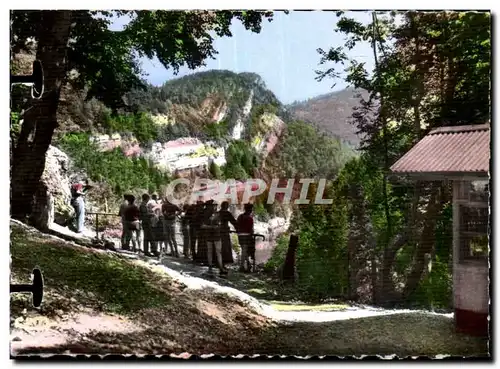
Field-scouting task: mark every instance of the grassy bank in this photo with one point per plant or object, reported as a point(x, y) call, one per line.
point(98, 302)
point(131, 307)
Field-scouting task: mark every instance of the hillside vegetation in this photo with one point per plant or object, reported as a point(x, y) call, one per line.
point(199, 99)
point(207, 105)
point(332, 113)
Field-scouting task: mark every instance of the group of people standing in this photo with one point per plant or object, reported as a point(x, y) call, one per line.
point(205, 229)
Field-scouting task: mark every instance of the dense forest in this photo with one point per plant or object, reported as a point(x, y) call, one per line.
point(386, 240)
point(185, 104)
point(330, 112)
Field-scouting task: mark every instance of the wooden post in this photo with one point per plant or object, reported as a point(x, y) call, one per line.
point(97, 225)
point(289, 267)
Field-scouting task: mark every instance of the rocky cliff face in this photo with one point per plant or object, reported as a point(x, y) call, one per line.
point(52, 200)
point(271, 129)
point(215, 109)
point(239, 127)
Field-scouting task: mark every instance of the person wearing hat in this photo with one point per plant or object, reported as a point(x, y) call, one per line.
point(78, 192)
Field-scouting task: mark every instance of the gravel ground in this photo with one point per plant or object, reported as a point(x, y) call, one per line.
point(196, 277)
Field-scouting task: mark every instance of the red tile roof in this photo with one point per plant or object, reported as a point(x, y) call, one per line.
point(458, 150)
point(182, 142)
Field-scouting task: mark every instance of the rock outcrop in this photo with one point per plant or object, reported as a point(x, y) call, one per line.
point(52, 199)
point(272, 127)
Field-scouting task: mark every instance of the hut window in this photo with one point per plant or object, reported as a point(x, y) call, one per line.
point(473, 220)
point(473, 191)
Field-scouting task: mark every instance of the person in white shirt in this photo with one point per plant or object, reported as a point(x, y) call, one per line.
point(155, 207)
point(121, 213)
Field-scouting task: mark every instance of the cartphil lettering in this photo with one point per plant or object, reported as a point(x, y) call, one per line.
point(204, 188)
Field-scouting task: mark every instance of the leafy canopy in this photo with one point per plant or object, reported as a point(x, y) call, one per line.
point(107, 61)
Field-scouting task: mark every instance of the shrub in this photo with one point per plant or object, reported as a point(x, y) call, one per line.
point(140, 125)
point(215, 171)
point(261, 213)
point(120, 173)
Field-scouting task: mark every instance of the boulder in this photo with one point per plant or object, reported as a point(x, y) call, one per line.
point(273, 127)
point(52, 199)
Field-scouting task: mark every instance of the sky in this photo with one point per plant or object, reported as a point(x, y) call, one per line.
point(283, 53)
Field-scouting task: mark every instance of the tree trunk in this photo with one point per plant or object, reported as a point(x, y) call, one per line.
point(387, 290)
point(40, 120)
point(427, 241)
point(386, 283)
point(289, 266)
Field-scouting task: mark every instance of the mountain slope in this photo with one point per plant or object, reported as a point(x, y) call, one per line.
point(197, 100)
point(215, 124)
point(331, 113)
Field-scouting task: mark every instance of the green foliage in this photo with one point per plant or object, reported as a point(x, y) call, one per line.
point(15, 126)
point(241, 160)
point(210, 92)
point(260, 212)
point(361, 172)
point(322, 252)
point(431, 69)
point(205, 150)
point(217, 132)
point(256, 116)
point(215, 171)
point(113, 284)
point(235, 243)
point(113, 167)
point(170, 132)
point(220, 85)
point(448, 74)
point(108, 60)
point(436, 289)
point(140, 125)
point(278, 255)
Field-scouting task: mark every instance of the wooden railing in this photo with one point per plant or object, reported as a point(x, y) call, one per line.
point(97, 220)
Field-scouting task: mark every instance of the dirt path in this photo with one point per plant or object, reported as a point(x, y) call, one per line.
point(196, 277)
point(99, 302)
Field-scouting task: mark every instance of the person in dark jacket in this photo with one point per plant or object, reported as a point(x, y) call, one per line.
point(226, 219)
point(170, 212)
point(212, 233)
point(147, 215)
point(205, 213)
point(245, 231)
point(187, 214)
point(190, 216)
point(131, 216)
point(195, 231)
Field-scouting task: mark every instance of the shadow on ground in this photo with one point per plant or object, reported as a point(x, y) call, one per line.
point(402, 335)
